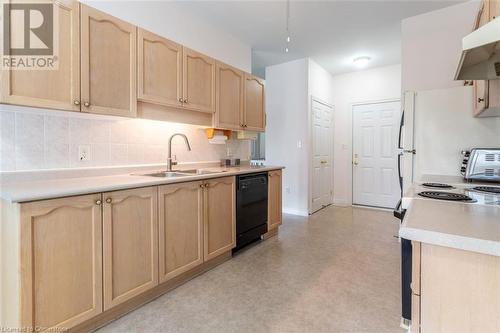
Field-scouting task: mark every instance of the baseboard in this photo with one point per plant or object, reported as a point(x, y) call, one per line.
point(292, 211)
point(342, 202)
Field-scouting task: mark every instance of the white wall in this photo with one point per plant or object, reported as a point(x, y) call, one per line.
point(445, 126)
point(289, 88)
point(432, 44)
point(167, 19)
point(287, 125)
point(363, 86)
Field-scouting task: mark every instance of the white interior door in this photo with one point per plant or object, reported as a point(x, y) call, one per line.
point(375, 135)
point(322, 187)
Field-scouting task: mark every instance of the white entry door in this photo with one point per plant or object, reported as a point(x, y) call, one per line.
point(322, 187)
point(375, 172)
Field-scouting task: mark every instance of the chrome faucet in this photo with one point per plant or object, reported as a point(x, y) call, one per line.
point(170, 163)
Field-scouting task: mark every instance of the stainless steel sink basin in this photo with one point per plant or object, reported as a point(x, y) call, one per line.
point(165, 174)
point(180, 173)
point(199, 171)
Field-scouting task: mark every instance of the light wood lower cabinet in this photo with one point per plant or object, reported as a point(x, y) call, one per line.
point(54, 89)
point(130, 233)
point(219, 216)
point(274, 218)
point(459, 291)
point(85, 259)
point(108, 64)
point(180, 228)
point(61, 261)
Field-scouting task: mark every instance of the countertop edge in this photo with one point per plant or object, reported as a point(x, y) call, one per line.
point(452, 241)
point(146, 183)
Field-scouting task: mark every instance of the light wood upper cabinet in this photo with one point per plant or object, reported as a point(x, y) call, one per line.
point(198, 81)
point(229, 97)
point(130, 241)
point(108, 64)
point(220, 216)
point(61, 261)
point(180, 228)
point(254, 111)
point(55, 89)
point(487, 93)
point(274, 200)
point(159, 72)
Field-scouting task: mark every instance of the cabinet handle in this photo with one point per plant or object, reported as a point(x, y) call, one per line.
point(180, 99)
point(98, 202)
point(76, 102)
point(86, 104)
point(205, 186)
point(185, 100)
point(479, 100)
point(109, 200)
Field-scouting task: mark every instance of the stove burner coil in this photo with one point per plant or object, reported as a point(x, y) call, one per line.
point(437, 185)
point(445, 196)
point(487, 189)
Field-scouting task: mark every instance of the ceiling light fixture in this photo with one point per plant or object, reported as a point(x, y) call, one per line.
point(361, 61)
point(288, 39)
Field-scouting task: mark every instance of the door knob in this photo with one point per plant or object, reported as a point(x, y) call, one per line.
point(98, 202)
point(76, 102)
point(109, 200)
point(180, 99)
point(185, 100)
point(86, 104)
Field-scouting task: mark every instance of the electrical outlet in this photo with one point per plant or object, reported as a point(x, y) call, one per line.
point(84, 153)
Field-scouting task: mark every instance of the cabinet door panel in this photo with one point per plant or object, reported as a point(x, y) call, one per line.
point(108, 61)
point(229, 99)
point(61, 260)
point(160, 69)
point(199, 81)
point(130, 244)
point(180, 228)
point(254, 104)
point(220, 217)
point(31, 88)
point(480, 96)
point(274, 200)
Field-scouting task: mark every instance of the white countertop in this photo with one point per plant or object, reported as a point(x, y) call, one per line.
point(22, 191)
point(465, 226)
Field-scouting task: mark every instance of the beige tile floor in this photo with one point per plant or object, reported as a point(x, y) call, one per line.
point(336, 271)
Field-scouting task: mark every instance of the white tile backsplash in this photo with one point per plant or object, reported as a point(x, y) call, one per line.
point(44, 139)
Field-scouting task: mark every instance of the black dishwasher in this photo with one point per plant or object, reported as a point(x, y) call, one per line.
point(251, 208)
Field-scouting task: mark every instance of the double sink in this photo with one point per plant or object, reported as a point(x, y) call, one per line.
point(180, 173)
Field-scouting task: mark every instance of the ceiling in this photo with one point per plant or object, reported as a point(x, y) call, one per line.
point(332, 33)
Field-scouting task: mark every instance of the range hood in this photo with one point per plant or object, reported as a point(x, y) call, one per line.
point(480, 58)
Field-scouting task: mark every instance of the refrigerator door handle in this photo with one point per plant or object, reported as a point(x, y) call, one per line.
point(401, 124)
point(399, 173)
